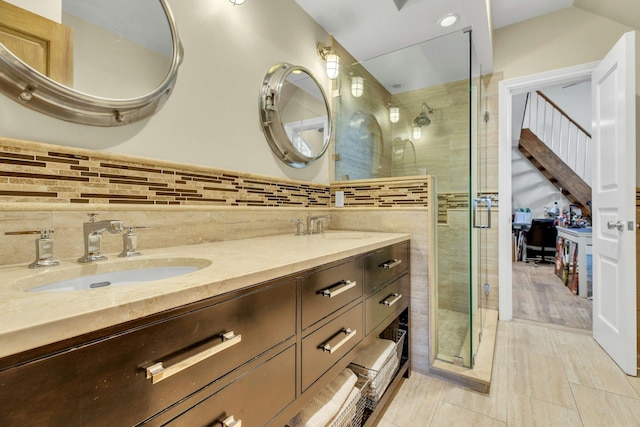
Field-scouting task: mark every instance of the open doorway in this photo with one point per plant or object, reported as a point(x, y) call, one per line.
point(507, 92)
point(545, 289)
point(613, 191)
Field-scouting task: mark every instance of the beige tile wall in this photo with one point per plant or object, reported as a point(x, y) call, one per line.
point(419, 223)
point(48, 187)
point(170, 226)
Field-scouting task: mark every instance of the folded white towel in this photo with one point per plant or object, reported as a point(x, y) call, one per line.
point(377, 387)
point(348, 411)
point(326, 404)
point(375, 354)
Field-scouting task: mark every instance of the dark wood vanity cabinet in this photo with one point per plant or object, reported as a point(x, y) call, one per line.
point(256, 355)
point(106, 381)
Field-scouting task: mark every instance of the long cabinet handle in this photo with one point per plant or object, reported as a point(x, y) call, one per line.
point(391, 264)
point(395, 297)
point(332, 346)
point(157, 372)
point(231, 422)
point(338, 288)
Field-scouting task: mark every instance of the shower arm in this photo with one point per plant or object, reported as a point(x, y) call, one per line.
point(426, 109)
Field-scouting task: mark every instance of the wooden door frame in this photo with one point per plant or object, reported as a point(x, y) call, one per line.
point(507, 89)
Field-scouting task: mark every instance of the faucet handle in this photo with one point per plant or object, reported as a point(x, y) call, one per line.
point(130, 241)
point(44, 233)
point(44, 247)
point(92, 217)
point(320, 224)
point(299, 226)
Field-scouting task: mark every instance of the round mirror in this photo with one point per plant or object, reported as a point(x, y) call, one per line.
point(295, 116)
point(96, 62)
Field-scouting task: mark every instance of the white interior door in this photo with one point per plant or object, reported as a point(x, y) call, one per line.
point(613, 204)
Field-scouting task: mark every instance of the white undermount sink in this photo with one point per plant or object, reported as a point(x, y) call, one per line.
point(107, 274)
point(115, 278)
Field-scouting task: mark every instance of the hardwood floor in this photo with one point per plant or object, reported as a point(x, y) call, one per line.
point(540, 296)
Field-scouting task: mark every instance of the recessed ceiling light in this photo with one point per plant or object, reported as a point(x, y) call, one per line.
point(448, 20)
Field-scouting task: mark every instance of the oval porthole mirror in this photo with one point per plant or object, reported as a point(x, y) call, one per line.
point(95, 62)
point(295, 115)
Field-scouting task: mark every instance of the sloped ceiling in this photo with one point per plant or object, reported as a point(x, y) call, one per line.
point(370, 28)
point(626, 12)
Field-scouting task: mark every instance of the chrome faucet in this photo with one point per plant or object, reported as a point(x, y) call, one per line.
point(314, 223)
point(92, 236)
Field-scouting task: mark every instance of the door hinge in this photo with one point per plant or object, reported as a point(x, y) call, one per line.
point(486, 116)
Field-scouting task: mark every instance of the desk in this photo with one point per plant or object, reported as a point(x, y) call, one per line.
point(582, 237)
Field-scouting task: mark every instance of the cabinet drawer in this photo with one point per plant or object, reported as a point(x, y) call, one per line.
point(105, 382)
point(253, 399)
point(324, 347)
point(326, 291)
point(385, 264)
point(390, 300)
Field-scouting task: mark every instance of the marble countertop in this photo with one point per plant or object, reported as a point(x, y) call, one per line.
point(32, 319)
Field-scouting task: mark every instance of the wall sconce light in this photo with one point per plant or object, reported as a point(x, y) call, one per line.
point(357, 86)
point(394, 114)
point(416, 131)
point(332, 61)
point(237, 2)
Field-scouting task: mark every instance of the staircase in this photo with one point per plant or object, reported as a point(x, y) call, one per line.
point(558, 147)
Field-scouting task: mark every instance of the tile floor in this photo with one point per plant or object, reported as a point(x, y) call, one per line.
point(542, 376)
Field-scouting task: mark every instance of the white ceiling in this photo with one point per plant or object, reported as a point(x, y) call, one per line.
point(371, 28)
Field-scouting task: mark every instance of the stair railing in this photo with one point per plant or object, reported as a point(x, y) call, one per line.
point(563, 135)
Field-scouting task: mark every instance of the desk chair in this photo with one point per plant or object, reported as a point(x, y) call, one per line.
point(541, 238)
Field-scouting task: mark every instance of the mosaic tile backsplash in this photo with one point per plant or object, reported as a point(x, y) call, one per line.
point(32, 172)
point(44, 173)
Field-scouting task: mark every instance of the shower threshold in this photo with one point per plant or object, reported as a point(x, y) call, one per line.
point(479, 377)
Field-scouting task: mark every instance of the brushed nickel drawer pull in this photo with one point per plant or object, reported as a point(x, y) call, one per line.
point(330, 347)
point(231, 422)
point(157, 372)
point(338, 288)
point(391, 263)
point(396, 297)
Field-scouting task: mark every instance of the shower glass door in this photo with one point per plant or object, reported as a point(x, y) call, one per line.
point(481, 204)
point(415, 117)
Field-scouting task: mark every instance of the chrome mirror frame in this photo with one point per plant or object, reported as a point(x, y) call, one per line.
point(271, 118)
point(34, 90)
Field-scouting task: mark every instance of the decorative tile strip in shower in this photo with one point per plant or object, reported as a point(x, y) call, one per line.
point(450, 201)
point(384, 193)
point(35, 172)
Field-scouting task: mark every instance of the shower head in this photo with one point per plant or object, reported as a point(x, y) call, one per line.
point(423, 119)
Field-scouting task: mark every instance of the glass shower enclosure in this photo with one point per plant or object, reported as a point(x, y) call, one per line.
point(420, 113)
